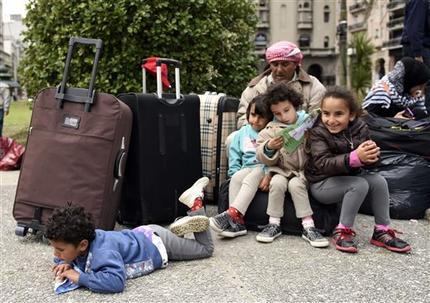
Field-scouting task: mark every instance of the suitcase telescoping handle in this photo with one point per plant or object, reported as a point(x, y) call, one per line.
point(158, 62)
point(79, 95)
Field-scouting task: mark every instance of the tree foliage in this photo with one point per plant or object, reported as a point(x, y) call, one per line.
point(212, 38)
point(361, 64)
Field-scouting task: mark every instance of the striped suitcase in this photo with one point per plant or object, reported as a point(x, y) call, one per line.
point(217, 121)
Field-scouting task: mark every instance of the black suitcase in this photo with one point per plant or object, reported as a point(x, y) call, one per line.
point(164, 158)
point(76, 151)
point(326, 217)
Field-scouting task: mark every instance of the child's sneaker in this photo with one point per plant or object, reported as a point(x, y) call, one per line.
point(189, 196)
point(314, 237)
point(388, 240)
point(235, 229)
point(220, 222)
point(344, 240)
point(269, 233)
point(225, 226)
point(190, 224)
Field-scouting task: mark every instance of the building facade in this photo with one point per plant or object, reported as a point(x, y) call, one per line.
point(311, 24)
point(382, 22)
point(12, 43)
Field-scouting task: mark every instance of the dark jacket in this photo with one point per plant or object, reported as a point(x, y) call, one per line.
point(329, 153)
point(416, 30)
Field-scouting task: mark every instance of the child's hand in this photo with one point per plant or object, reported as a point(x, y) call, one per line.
point(70, 274)
point(275, 143)
point(265, 182)
point(402, 115)
point(60, 268)
point(368, 152)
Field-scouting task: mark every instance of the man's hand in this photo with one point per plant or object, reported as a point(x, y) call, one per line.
point(70, 274)
point(60, 268)
point(275, 143)
point(265, 182)
point(368, 152)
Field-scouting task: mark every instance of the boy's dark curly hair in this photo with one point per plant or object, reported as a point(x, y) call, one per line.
point(261, 108)
point(70, 225)
point(281, 92)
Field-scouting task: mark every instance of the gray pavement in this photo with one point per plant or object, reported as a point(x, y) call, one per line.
point(241, 270)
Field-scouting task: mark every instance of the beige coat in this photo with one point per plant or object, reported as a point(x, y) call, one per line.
point(283, 163)
point(309, 86)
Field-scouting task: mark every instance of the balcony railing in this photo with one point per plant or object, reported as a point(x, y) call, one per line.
point(359, 26)
point(318, 52)
point(395, 22)
point(392, 43)
point(395, 5)
point(357, 7)
point(263, 24)
point(304, 25)
point(260, 44)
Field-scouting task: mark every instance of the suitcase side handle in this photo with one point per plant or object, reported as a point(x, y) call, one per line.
point(79, 95)
point(177, 64)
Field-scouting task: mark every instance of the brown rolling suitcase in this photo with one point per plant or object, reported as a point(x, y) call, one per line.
point(76, 152)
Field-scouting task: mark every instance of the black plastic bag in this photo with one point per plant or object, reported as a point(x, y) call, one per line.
point(407, 176)
point(409, 136)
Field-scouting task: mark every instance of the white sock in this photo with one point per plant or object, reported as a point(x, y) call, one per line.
point(274, 220)
point(307, 222)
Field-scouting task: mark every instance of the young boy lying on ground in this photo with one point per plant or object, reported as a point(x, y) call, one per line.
point(102, 260)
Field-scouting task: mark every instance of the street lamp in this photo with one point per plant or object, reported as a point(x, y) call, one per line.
point(342, 34)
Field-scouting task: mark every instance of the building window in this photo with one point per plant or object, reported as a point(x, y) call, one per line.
point(261, 40)
point(264, 16)
point(306, 5)
point(326, 41)
point(283, 13)
point(262, 3)
point(326, 14)
point(304, 41)
point(316, 70)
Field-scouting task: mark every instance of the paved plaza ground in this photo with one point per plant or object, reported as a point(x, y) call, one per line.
point(241, 270)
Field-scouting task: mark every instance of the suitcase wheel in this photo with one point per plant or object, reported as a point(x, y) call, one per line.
point(21, 231)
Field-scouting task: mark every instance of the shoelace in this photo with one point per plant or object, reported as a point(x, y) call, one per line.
point(389, 234)
point(268, 228)
point(224, 219)
point(345, 233)
point(314, 233)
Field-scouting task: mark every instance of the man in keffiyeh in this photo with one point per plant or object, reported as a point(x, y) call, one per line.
point(401, 92)
point(285, 61)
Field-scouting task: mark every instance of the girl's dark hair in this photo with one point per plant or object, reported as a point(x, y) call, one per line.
point(280, 92)
point(261, 107)
point(70, 225)
point(339, 92)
